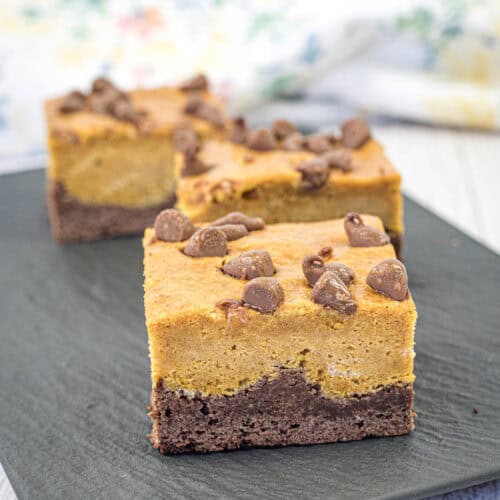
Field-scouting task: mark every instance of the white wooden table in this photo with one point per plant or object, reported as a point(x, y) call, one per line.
point(454, 173)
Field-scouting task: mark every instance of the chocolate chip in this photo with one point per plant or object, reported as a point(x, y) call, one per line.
point(318, 143)
point(192, 105)
point(339, 158)
point(211, 114)
point(251, 223)
point(102, 84)
point(193, 165)
point(207, 242)
point(250, 194)
point(238, 131)
point(355, 133)
point(101, 102)
point(185, 139)
point(261, 140)
point(360, 235)
point(330, 291)
point(314, 267)
point(74, 101)
point(173, 225)
point(325, 252)
point(122, 109)
point(263, 294)
point(315, 174)
point(233, 231)
point(233, 309)
point(389, 278)
point(198, 82)
point(250, 265)
point(294, 142)
point(283, 128)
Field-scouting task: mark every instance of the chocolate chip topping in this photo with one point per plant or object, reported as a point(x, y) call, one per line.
point(389, 278)
point(339, 158)
point(198, 82)
point(294, 142)
point(355, 133)
point(263, 294)
point(233, 309)
point(251, 223)
point(250, 265)
point(330, 291)
point(325, 252)
point(314, 267)
point(192, 105)
point(238, 131)
point(185, 139)
point(261, 139)
point(199, 108)
point(207, 242)
point(233, 231)
point(173, 225)
point(102, 84)
point(193, 165)
point(315, 174)
point(74, 101)
point(360, 235)
point(318, 143)
point(283, 128)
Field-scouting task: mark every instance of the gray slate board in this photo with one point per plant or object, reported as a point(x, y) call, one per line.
point(74, 377)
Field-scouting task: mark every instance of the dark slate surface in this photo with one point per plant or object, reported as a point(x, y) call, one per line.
point(74, 377)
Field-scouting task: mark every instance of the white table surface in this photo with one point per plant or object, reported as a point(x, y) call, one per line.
point(454, 173)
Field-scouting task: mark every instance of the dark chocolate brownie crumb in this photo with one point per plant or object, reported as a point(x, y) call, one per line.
point(339, 158)
point(315, 174)
point(207, 242)
point(238, 130)
point(173, 225)
point(360, 235)
point(283, 128)
point(318, 143)
point(251, 223)
point(261, 139)
point(355, 133)
point(263, 294)
point(233, 231)
point(389, 278)
point(475, 411)
point(74, 101)
point(198, 82)
point(331, 292)
point(294, 142)
point(249, 265)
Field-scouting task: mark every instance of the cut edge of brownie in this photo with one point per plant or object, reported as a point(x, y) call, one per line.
point(287, 410)
point(73, 221)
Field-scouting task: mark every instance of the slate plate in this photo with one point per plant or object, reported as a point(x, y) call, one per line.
point(74, 377)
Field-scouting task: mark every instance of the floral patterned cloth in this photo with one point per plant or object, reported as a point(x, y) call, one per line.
point(434, 60)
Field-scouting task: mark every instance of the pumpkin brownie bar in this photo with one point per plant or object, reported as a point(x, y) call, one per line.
point(282, 176)
point(111, 155)
point(276, 335)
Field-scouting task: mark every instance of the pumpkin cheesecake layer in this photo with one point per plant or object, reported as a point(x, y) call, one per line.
point(204, 354)
point(100, 161)
point(268, 184)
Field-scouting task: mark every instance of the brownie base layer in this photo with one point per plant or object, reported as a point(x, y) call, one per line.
point(72, 220)
point(279, 412)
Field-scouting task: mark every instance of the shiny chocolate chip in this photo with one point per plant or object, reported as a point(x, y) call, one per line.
point(233, 231)
point(211, 114)
point(238, 131)
point(355, 133)
point(185, 139)
point(339, 158)
point(261, 139)
point(283, 128)
point(313, 268)
point(360, 235)
point(251, 223)
point(318, 143)
point(315, 174)
point(250, 265)
point(389, 278)
point(173, 225)
point(263, 294)
point(326, 252)
point(102, 84)
point(330, 291)
point(74, 101)
point(294, 142)
point(192, 105)
point(345, 273)
point(198, 82)
point(193, 165)
point(207, 242)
